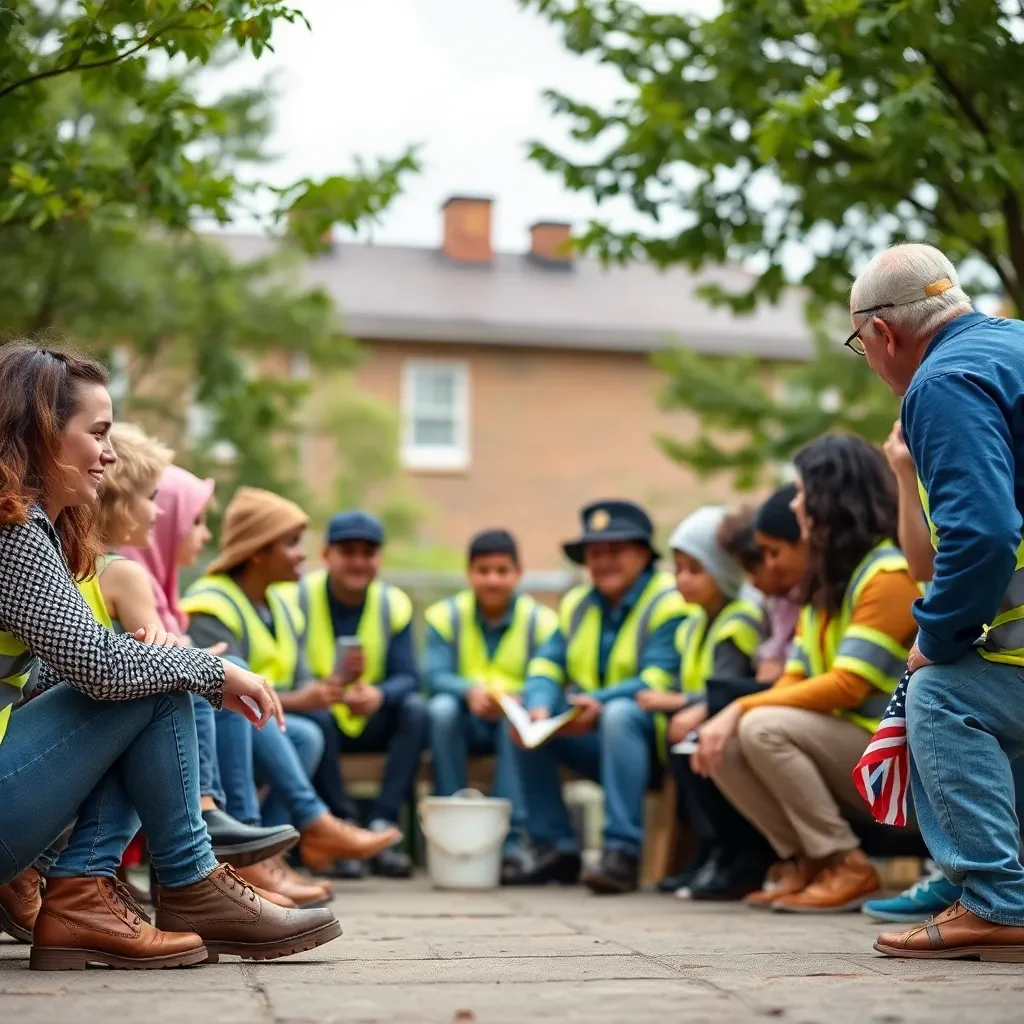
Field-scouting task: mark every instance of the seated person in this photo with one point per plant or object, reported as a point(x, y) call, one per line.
point(784, 757)
point(772, 555)
point(718, 639)
point(616, 637)
point(243, 602)
point(371, 704)
point(478, 641)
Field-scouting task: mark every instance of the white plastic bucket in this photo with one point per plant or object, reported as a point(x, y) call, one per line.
point(464, 835)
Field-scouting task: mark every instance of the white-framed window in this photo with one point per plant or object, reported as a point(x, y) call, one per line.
point(435, 414)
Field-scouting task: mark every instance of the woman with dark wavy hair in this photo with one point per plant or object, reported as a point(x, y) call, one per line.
point(784, 757)
point(112, 738)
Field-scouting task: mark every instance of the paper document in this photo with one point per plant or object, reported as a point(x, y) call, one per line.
point(685, 746)
point(533, 734)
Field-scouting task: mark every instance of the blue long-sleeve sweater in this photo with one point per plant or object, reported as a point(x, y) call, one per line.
point(963, 420)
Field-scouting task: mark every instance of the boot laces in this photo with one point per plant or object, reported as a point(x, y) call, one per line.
point(237, 882)
point(124, 898)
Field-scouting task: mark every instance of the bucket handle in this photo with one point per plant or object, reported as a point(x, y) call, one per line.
point(486, 847)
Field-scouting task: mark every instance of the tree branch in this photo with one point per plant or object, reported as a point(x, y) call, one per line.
point(962, 98)
point(76, 65)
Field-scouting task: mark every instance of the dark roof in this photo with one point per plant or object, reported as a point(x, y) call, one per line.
point(418, 294)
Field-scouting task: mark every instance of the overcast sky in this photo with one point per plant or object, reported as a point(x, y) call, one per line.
point(462, 77)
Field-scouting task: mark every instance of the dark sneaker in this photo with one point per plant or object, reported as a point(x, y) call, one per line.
point(618, 872)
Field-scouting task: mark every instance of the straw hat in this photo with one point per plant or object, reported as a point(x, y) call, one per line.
point(252, 520)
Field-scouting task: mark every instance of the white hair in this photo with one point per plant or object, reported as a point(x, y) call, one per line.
point(898, 275)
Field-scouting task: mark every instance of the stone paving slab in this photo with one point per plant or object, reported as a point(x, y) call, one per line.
point(411, 954)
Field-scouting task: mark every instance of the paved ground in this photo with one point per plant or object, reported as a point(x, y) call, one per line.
point(413, 954)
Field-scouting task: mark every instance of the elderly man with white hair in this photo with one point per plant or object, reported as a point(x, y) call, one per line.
point(962, 377)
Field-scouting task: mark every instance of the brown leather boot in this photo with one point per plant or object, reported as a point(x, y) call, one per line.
point(956, 934)
point(271, 876)
point(293, 877)
point(233, 919)
point(329, 839)
point(95, 921)
point(785, 879)
point(20, 900)
point(844, 885)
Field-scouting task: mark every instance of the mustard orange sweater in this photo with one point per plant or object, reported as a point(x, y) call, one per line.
point(884, 604)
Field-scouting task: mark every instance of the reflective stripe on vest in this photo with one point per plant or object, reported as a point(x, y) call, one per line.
point(580, 622)
point(271, 655)
point(386, 612)
point(874, 656)
point(16, 664)
point(1002, 639)
point(455, 621)
point(742, 622)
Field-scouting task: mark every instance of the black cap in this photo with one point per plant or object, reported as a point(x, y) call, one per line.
point(611, 519)
point(355, 525)
point(775, 518)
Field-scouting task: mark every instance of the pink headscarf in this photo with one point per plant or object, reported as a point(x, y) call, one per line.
point(180, 497)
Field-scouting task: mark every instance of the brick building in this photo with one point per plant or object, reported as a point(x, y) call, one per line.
point(523, 380)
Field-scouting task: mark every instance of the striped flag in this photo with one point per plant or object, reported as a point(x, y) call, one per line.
point(882, 775)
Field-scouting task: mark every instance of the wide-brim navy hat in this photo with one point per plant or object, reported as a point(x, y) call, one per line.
point(611, 520)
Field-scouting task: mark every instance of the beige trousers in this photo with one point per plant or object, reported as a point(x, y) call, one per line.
point(787, 771)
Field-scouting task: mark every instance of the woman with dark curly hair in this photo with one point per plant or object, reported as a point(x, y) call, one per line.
point(784, 757)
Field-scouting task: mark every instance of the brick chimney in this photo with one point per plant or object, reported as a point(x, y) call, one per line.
point(467, 229)
point(550, 243)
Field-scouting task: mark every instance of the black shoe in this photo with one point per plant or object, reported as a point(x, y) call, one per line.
point(671, 884)
point(347, 870)
point(241, 845)
point(542, 866)
point(618, 872)
point(392, 863)
point(728, 878)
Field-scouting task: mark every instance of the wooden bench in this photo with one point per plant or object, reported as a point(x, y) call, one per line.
point(662, 833)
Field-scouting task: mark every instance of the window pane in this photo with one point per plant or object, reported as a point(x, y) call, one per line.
point(434, 389)
point(432, 432)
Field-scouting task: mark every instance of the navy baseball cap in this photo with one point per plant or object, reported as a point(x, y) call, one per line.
point(355, 525)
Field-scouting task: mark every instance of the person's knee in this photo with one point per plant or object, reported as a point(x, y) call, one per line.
point(762, 729)
point(307, 739)
point(413, 711)
point(622, 716)
point(445, 713)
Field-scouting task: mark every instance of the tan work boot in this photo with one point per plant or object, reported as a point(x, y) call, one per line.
point(95, 921)
point(790, 877)
point(325, 885)
point(270, 875)
point(956, 934)
point(233, 919)
point(20, 900)
point(845, 885)
point(329, 839)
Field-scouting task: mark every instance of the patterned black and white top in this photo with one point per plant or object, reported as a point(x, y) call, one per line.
point(41, 606)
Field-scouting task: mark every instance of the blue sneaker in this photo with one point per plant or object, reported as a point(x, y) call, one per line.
point(930, 896)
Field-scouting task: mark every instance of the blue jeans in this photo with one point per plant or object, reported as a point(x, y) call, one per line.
point(287, 762)
point(107, 764)
point(209, 766)
point(965, 724)
point(617, 754)
point(238, 776)
point(454, 735)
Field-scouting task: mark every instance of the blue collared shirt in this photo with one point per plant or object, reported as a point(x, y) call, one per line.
point(963, 420)
point(441, 663)
point(659, 652)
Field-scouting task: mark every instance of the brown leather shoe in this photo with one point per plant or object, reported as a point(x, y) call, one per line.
point(956, 934)
point(231, 918)
point(20, 900)
point(270, 875)
point(95, 921)
point(786, 878)
point(845, 885)
point(329, 839)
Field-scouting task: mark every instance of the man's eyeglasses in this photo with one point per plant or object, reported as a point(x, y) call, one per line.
point(854, 342)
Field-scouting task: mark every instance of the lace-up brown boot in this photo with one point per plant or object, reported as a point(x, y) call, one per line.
point(231, 918)
point(95, 921)
point(20, 900)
